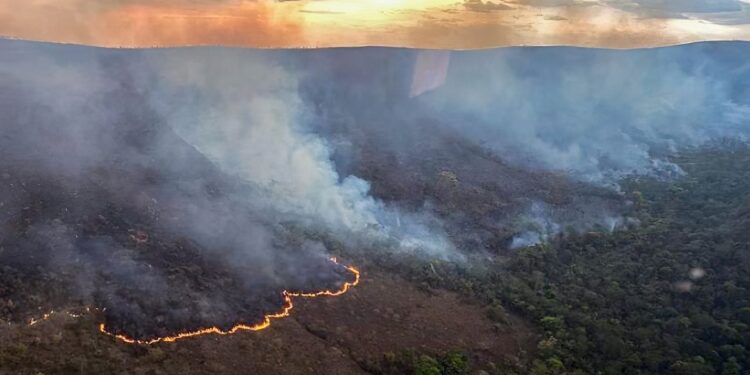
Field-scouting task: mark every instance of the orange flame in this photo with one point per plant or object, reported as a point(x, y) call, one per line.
point(285, 311)
point(47, 316)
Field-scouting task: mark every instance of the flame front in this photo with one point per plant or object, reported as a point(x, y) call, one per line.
point(47, 316)
point(285, 311)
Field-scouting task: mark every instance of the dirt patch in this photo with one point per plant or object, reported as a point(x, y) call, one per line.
point(387, 314)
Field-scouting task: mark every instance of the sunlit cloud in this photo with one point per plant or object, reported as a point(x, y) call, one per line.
point(453, 24)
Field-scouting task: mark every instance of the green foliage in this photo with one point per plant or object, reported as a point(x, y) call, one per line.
point(454, 363)
point(427, 365)
point(497, 314)
point(409, 362)
point(552, 323)
point(627, 302)
point(732, 367)
point(668, 296)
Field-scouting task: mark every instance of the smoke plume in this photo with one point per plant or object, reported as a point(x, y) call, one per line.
point(595, 113)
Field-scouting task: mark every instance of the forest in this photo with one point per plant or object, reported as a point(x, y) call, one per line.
point(669, 294)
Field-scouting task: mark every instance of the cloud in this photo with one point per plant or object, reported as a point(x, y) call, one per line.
point(485, 6)
point(552, 3)
point(418, 23)
point(671, 8)
point(137, 23)
point(718, 12)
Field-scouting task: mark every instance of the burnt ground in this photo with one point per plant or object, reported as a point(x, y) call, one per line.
point(123, 215)
point(337, 335)
point(76, 242)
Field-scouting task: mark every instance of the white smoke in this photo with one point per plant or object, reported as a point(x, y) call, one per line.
point(536, 226)
point(244, 112)
point(540, 222)
point(597, 114)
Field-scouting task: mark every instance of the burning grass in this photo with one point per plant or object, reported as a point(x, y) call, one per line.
point(69, 242)
point(263, 324)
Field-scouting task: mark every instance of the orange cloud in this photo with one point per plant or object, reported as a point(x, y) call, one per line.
point(156, 23)
point(453, 24)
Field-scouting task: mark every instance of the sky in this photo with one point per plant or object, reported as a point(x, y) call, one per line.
point(449, 24)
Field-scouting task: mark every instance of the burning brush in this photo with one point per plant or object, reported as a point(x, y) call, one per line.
point(264, 323)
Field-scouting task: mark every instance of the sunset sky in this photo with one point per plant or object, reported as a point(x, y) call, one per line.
point(455, 24)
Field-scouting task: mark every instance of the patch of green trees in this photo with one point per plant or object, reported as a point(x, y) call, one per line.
point(670, 295)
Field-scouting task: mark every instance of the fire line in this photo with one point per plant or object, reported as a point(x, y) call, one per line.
point(265, 323)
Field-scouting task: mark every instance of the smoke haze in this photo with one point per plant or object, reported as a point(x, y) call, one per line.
point(150, 179)
point(598, 114)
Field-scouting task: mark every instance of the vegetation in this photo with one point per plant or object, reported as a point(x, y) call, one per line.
point(413, 363)
point(668, 295)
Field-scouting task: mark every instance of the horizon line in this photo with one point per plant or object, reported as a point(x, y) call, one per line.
point(365, 46)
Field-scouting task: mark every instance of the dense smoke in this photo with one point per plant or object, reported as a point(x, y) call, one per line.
point(103, 201)
point(243, 110)
point(147, 181)
point(595, 113)
point(593, 116)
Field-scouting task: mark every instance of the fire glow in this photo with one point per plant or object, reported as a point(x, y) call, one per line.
point(265, 323)
point(47, 316)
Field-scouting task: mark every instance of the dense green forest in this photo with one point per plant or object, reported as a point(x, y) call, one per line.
point(670, 294)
